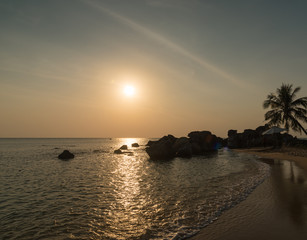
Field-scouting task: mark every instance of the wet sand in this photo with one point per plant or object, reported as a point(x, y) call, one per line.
point(276, 209)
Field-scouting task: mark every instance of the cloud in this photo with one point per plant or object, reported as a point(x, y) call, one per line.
point(166, 42)
point(171, 4)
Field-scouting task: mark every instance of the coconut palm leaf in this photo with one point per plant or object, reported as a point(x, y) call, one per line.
point(286, 109)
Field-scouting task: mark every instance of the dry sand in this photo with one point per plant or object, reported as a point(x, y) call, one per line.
point(277, 209)
point(297, 155)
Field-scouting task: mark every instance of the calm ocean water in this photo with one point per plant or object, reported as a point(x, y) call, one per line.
point(99, 195)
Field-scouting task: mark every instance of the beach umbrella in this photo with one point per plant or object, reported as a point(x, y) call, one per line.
point(273, 130)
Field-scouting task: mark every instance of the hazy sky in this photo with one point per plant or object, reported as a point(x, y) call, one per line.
point(194, 64)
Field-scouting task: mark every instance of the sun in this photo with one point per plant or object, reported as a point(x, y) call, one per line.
point(129, 90)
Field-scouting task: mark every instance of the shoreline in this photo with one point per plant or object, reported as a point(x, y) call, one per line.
point(276, 209)
point(297, 155)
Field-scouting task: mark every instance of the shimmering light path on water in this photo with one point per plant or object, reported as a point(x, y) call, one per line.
point(99, 195)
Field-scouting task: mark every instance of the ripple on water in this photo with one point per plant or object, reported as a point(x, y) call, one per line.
point(105, 196)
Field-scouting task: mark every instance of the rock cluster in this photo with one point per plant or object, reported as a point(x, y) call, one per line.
point(197, 143)
point(254, 138)
point(125, 147)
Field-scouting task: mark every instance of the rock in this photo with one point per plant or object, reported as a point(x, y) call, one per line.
point(196, 149)
point(162, 149)
point(232, 139)
point(254, 138)
point(150, 142)
point(65, 155)
point(182, 147)
point(135, 145)
point(169, 147)
point(202, 142)
point(185, 151)
point(118, 151)
point(180, 142)
point(231, 132)
point(221, 142)
point(124, 147)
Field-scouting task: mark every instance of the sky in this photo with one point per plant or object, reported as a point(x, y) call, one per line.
point(192, 65)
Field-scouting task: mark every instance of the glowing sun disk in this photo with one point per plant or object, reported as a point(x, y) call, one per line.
point(129, 91)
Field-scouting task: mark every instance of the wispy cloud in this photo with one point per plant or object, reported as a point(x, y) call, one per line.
point(172, 4)
point(166, 42)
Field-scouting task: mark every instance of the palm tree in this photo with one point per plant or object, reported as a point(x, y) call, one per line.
point(286, 109)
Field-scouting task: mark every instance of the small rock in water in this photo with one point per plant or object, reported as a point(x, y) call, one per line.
point(135, 145)
point(65, 155)
point(118, 151)
point(124, 147)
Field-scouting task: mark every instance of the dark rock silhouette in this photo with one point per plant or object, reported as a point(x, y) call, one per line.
point(65, 155)
point(162, 149)
point(118, 151)
point(124, 147)
point(135, 145)
point(182, 147)
point(197, 143)
point(254, 138)
point(150, 142)
point(232, 138)
point(203, 141)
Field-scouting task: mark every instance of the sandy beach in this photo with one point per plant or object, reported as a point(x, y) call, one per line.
point(276, 209)
point(297, 155)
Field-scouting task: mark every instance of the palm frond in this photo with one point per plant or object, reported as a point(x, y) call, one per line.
point(271, 101)
point(285, 109)
point(300, 101)
point(301, 115)
point(297, 89)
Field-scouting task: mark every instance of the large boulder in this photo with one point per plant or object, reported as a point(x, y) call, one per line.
point(221, 142)
point(196, 149)
point(65, 155)
point(124, 147)
point(150, 142)
point(182, 147)
point(254, 138)
point(231, 132)
point(232, 139)
point(198, 142)
point(180, 142)
point(185, 151)
point(202, 142)
point(200, 136)
point(162, 149)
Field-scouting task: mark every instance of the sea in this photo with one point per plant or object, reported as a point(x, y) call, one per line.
point(102, 195)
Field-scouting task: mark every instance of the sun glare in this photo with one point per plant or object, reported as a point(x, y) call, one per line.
point(129, 91)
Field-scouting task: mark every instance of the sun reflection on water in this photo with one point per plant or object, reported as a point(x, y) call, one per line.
point(127, 141)
point(127, 171)
point(129, 203)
